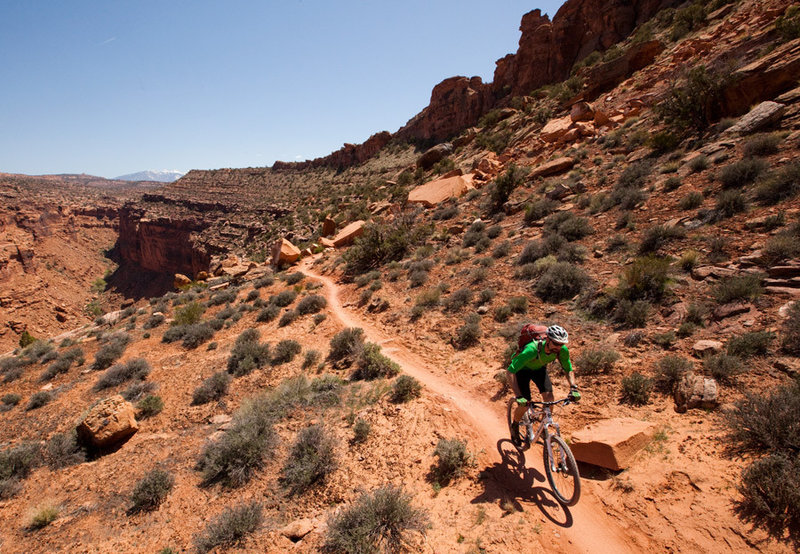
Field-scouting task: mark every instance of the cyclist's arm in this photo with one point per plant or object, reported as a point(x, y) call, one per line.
point(566, 365)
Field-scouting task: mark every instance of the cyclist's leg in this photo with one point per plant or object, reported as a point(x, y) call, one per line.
point(542, 380)
point(523, 379)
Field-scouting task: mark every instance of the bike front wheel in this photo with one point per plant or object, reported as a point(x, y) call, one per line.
point(562, 471)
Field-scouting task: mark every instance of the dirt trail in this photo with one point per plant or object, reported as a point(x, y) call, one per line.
point(586, 527)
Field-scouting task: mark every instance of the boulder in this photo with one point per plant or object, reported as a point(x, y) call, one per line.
point(790, 366)
point(202, 276)
point(554, 167)
point(581, 111)
point(298, 529)
point(601, 119)
point(328, 226)
point(556, 129)
point(433, 155)
point(558, 192)
point(703, 347)
point(611, 443)
point(434, 192)
point(729, 310)
point(349, 234)
point(489, 165)
point(695, 391)
point(108, 423)
point(181, 280)
point(284, 252)
point(763, 115)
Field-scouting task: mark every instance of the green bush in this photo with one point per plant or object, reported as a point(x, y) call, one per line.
point(311, 304)
point(468, 334)
point(64, 450)
point(736, 288)
point(44, 514)
point(375, 522)
point(213, 388)
point(311, 460)
point(561, 281)
point(151, 490)
point(723, 367)
point(346, 344)
point(663, 142)
point(285, 351)
point(658, 236)
point(137, 369)
point(747, 345)
point(779, 185)
point(149, 406)
point(230, 528)
point(294, 278)
point(110, 352)
point(383, 243)
point(38, 399)
point(501, 250)
point(696, 103)
point(768, 422)
point(670, 370)
point(248, 354)
point(189, 314)
point(502, 313)
point(742, 173)
point(361, 430)
point(595, 360)
point(636, 389)
point(405, 388)
point(780, 248)
point(505, 184)
point(372, 364)
point(645, 279)
point(452, 460)
point(26, 339)
point(268, 314)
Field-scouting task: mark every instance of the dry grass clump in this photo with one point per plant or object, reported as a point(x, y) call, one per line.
point(452, 460)
point(137, 368)
point(151, 490)
point(311, 460)
point(230, 528)
point(213, 388)
point(248, 354)
point(42, 515)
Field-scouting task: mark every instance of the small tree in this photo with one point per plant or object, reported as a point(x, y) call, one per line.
point(505, 184)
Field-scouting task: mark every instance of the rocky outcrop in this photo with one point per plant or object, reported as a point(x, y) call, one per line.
point(604, 76)
point(108, 423)
point(284, 252)
point(611, 443)
point(435, 192)
point(434, 154)
point(695, 391)
point(553, 167)
point(347, 156)
point(763, 115)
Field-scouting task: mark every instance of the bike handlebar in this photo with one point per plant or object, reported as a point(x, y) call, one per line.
point(564, 401)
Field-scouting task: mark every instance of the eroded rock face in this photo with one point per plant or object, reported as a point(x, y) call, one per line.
point(763, 115)
point(348, 234)
point(695, 391)
point(347, 156)
point(284, 252)
point(435, 192)
point(110, 422)
point(611, 443)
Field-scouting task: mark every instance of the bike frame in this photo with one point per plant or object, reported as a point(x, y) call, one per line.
point(545, 425)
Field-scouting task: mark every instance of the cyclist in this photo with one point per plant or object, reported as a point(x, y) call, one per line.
point(530, 364)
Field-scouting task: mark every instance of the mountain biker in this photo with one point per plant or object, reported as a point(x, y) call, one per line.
point(531, 365)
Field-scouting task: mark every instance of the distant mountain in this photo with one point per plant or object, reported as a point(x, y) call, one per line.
point(163, 176)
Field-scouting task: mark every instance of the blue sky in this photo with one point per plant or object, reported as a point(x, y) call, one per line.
point(113, 87)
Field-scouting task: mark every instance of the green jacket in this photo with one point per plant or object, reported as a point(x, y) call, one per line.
point(534, 357)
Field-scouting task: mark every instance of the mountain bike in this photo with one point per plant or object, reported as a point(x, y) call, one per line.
point(559, 463)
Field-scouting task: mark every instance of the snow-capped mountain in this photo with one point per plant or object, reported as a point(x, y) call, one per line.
point(163, 176)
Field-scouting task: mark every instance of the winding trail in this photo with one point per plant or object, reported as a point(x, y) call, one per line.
point(586, 527)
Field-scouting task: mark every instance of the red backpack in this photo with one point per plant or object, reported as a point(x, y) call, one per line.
point(530, 333)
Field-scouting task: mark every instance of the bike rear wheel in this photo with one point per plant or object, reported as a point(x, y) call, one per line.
point(562, 471)
point(514, 429)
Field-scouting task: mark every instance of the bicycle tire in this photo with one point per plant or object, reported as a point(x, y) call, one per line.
point(512, 403)
point(557, 483)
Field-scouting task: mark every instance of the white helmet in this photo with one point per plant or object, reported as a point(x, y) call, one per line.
point(557, 334)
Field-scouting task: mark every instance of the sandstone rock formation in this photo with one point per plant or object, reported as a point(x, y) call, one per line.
point(434, 154)
point(108, 423)
point(284, 252)
point(763, 115)
point(181, 280)
point(553, 167)
point(695, 391)
point(348, 234)
point(611, 443)
point(328, 226)
point(435, 192)
point(347, 156)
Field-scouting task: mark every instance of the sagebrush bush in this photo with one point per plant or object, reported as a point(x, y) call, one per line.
point(283, 298)
point(768, 422)
point(699, 163)
point(631, 314)
point(222, 297)
point(405, 388)
point(378, 521)
point(110, 352)
point(670, 370)
point(311, 358)
point(63, 363)
point(137, 368)
point(151, 490)
point(747, 345)
point(742, 173)
point(780, 248)
point(791, 330)
point(458, 300)
point(38, 399)
point(9, 401)
point(285, 351)
point(188, 315)
point(294, 278)
point(730, 203)
point(311, 460)
point(770, 490)
point(149, 406)
point(16, 463)
point(452, 460)
point(372, 364)
point(264, 281)
point(268, 314)
point(287, 318)
point(779, 185)
point(658, 236)
point(636, 389)
point(191, 336)
point(212, 388)
point(763, 144)
point(135, 391)
point(346, 344)
point(468, 334)
point(311, 304)
point(568, 225)
point(723, 367)
point(598, 359)
point(231, 527)
point(539, 209)
point(736, 288)
point(645, 279)
point(561, 281)
point(64, 450)
point(248, 354)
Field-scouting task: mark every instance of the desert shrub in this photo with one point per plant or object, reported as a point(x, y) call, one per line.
point(311, 358)
point(222, 297)
point(663, 142)
point(761, 145)
point(11, 368)
point(561, 281)
point(405, 388)
point(631, 314)
point(212, 388)
point(539, 209)
point(645, 279)
point(730, 203)
point(252, 295)
point(9, 401)
point(747, 345)
point(502, 313)
point(468, 334)
point(326, 391)
point(16, 463)
point(768, 422)
point(741, 287)
point(665, 340)
point(532, 251)
point(110, 352)
point(64, 450)
point(285, 351)
point(311, 304)
point(319, 318)
point(372, 364)
point(45, 513)
point(361, 430)
point(213, 324)
point(696, 103)
point(264, 281)
point(226, 312)
point(283, 298)
point(294, 278)
point(346, 344)
point(417, 278)
point(452, 460)
point(268, 314)
point(247, 354)
point(696, 314)
point(779, 185)
point(485, 296)
point(375, 522)
point(699, 163)
point(616, 243)
point(595, 360)
point(149, 406)
point(518, 304)
point(458, 300)
point(691, 201)
point(475, 232)
point(287, 318)
point(26, 339)
point(568, 225)
point(383, 243)
point(742, 173)
point(38, 399)
point(188, 314)
point(63, 363)
point(670, 370)
point(501, 250)
point(688, 260)
point(445, 212)
point(791, 330)
point(230, 528)
point(151, 490)
point(137, 368)
point(636, 389)
point(311, 459)
point(780, 248)
point(505, 184)
point(135, 391)
point(723, 367)
point(658, 236)
point(153, 321)
point(770, 489)
point(197, 334)
point(634, 176)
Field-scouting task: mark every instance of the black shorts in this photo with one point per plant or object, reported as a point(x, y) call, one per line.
point(539, 376)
